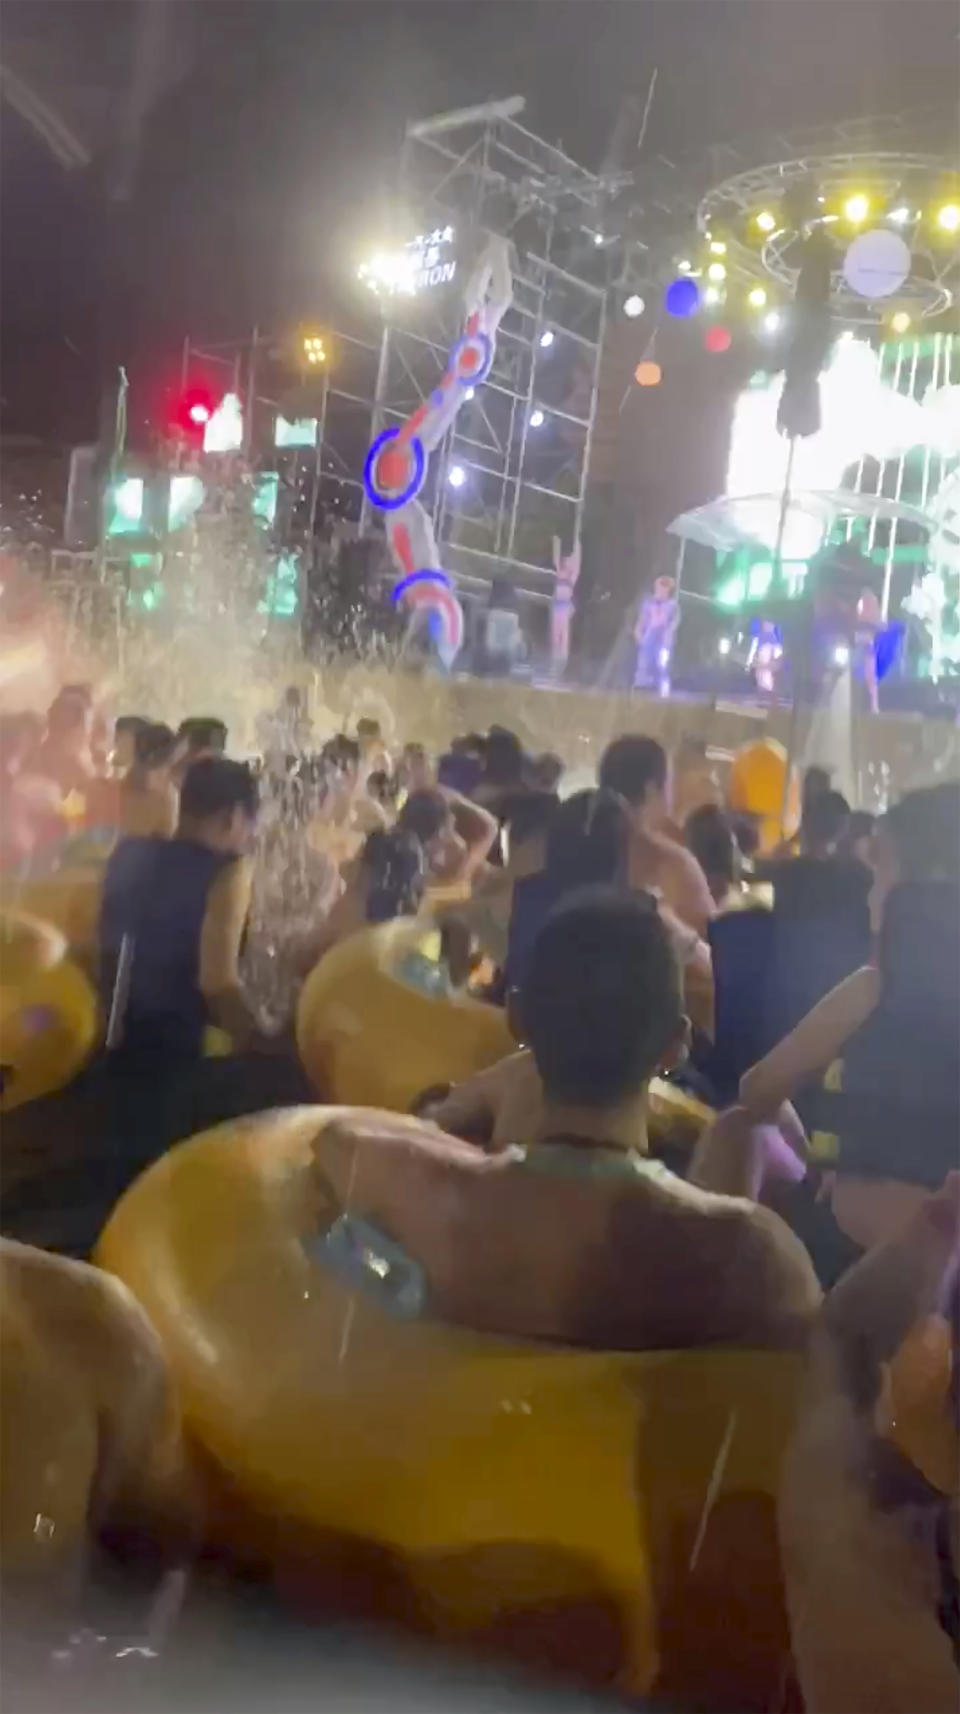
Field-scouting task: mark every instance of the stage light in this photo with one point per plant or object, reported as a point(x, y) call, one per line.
point(718, 339)
point(193, 411)
point(470, 393)
point(856, 208)
point(547, 338)
point(456, 476)
point(648, 374)
point(900, 322)
point(724, 646)
point(841, 655)
point(712, 295)
point(682, 297)
point(199, 414)
point(633, 306)
point(684, 266)
point(899, 216)
point(756, 297)
point(948, 217)
point(536, 419)
point(598, 239)
point(716, 271)
point(717, 247)
point(314, 349)
point(771, 321)
point(766, 221)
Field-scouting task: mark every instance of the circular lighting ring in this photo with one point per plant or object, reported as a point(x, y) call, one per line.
point(377, 496)
point(432, 590)
point(472, 358)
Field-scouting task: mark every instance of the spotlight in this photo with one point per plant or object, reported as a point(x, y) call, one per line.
point(900, 322)
point(716, 271)
point(712, 295)
point(456, 476)
point(766, 221)
point(841, 655)
point(899, 216)
point(856, 208)
point(756, 297)
point(717, 247)
point(598, 239)
point(771, 321)
point(948, 217)
point(536, 419)
point(470, 393)
point(633, 306)
point(724, 646)
point(546, 338)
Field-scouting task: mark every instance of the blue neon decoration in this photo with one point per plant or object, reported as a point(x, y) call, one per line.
point(437, 578)
point(390, 503)
point(482, 371)
point(682, 297)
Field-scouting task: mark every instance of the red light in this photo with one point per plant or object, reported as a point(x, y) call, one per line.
point(193, 411)
point(718, 339)
point(199, 413)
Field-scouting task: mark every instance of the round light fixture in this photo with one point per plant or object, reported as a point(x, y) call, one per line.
point(900, 322)
point(536, 419)
point(856, 208)
point(876, 263)
point(718, 339)
point(547, 338)
point(766, 221)
point(633, 305)
point(756, 297)
point(717, 247)
point(948, 217)
point(456, 476)
point(716, 271)
point(648, 374)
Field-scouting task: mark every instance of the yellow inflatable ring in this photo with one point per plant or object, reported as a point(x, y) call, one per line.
point(70, 900)
point(603, 1514)
point(756, 785)
point(371, 1033)
point(48, 1012)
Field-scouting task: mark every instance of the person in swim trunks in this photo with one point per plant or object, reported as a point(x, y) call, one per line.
point(579, 1236)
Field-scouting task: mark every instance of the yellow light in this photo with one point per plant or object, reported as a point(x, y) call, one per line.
point(948, 217)
point(716, 271)
point(900, 322)
point(766, 221)
point(717, 247)
point(856, 208)
point(756, 297)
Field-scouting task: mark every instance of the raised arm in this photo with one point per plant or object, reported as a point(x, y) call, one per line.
point(810, 1047)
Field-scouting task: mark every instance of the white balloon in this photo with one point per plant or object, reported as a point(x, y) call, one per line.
point(876, 263)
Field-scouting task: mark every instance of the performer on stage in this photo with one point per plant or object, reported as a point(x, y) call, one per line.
point(765, 655)
point(655, 634)
point(866, 632)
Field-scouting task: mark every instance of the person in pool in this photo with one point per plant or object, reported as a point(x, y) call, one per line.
point(579, 1236)
point(636, 768)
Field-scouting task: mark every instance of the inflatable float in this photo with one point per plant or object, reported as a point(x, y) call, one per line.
point(69, 899)
point(758, 786)
point(602, 1515)
point(48, 1011)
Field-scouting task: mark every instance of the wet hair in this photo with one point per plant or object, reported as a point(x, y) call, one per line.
point(860, 825)
point(925, 829)
point(202, 732)
point(503, 757)
point(545, 772)
point(601, 1000)
point(394, 869)
point(153, 744)
point(632, 765)
point(470, 744)
point(709, 835)
point(530, 815)
point(132, 723)
point(824, 820)
point(215, 786)
point(367, 727)
point(816, 781)
point(587, 844)
point(425, 814)
point(341, 753)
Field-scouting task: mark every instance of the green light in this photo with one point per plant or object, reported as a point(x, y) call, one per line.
point(124, 503)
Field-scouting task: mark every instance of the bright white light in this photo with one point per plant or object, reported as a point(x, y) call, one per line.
point(841, 655)
point(470, 393)
point(633, 305)
point(724, 646)
point(598, 238)
point(536, 419)
point(771, 321)
point(711, 295)
point(663, 657)
point(717, 247)
point(899, 216)
point(547, 338)
point(684, 266)
point(756, 297)
point(391, 272)
point(128, 499)
point(224, 431)
point(456, 476)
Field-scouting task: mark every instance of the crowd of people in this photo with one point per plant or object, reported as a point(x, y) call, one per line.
point(633, 930)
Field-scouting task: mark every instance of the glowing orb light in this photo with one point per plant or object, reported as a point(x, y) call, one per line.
point(900, 322)
point(682, 297)
point(718, 339)
point(876, 263)
point(648, 374)
point(717, 247)
point(756, 297)
point(856, 208)
point(716, 271)
point(948, 217)
point(456, 476)
point(766, 221)
point(536, 419)
point(633, 306)
point(547, 338)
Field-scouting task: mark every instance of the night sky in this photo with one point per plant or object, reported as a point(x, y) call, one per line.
point(266, 163)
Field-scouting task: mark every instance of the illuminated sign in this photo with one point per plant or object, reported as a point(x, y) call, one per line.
point(425, 262)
